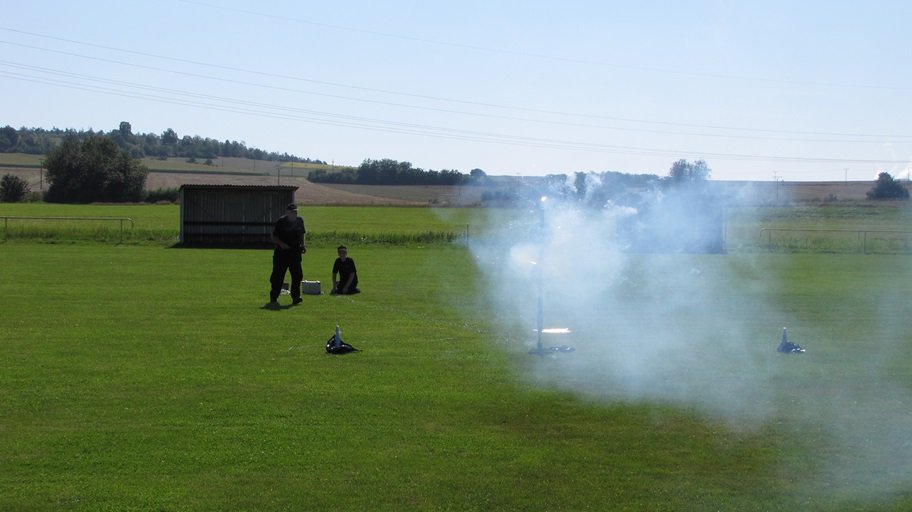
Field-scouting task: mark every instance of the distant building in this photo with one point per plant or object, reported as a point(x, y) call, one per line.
point(231, 215)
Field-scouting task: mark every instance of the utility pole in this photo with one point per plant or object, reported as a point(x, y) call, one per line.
point(846, 175)
point(776, 179)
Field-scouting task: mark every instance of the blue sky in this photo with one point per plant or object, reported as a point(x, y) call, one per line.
point(795, 90)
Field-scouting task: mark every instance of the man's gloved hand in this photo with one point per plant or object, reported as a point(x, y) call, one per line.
point(303, 249)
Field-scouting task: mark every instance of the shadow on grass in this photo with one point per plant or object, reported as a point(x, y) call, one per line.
point(277, 307)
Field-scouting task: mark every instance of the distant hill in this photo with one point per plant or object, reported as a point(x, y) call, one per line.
point(168, 144)
point(232, 165)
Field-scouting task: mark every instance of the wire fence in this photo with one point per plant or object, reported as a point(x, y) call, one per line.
point(856, 241)
point(781, 240)
point(122, 230)
point(97, 228)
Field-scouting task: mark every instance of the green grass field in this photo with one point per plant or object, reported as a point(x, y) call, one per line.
point(20, 160)
point(852, 228)
point(142, 377)
point(160, 224)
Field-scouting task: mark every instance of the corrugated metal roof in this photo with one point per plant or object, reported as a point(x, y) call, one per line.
point(231, 187)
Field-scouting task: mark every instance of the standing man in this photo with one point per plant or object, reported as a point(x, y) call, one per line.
point(344, 267)
point(288, 236)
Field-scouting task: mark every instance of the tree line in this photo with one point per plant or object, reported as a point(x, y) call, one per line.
point(168, 144)
point(886, 187)
point(85, 167)
point(597, 188)
point(392, 172)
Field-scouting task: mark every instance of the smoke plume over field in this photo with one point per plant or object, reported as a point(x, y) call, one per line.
point(653, 322)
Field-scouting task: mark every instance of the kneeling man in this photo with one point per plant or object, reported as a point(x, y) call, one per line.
point(344, 269)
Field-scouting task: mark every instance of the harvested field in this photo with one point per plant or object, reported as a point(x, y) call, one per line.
point(308, 193)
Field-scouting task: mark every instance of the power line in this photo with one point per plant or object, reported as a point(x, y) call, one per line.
point(84, 82)
point(426, 97)
point(259, 109)
point(426, 108)
point(752, 80)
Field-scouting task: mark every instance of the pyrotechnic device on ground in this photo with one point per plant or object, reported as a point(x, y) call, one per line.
point(335, 345)
point(540, 329)
point(786, 346)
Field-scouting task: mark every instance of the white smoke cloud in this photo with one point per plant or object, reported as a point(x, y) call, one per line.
point(646, 326)
point(698, 331)
point(906, 172)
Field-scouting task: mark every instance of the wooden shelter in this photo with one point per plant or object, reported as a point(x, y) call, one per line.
point(231, 215)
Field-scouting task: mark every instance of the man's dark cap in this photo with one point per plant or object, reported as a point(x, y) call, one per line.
point(292, 206)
